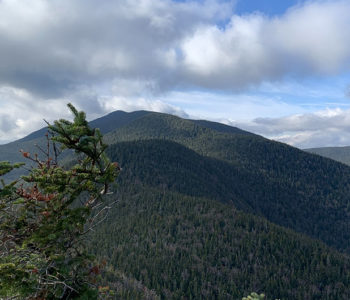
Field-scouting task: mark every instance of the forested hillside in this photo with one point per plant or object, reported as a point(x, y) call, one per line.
point(290, 187)
point(209, 211)
point(196, 248)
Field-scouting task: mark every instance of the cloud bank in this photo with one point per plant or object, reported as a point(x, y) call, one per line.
point(53, 47)
point(104, 55)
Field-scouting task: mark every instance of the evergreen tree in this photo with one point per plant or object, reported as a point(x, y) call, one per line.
point(45, 216)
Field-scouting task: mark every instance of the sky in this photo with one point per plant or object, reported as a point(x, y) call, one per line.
point(280, 69)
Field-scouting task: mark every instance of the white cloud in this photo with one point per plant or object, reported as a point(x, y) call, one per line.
point(330, 127)
point(229, 58)
point(308, 40)
point(21, 113)
point(230, 108)
point(313, 36)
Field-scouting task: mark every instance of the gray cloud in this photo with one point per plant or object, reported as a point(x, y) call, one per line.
point(123, 54)
point(7, 123)
point(53, 47)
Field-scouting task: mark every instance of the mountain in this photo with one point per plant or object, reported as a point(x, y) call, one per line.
point(209, 211)
point(292, 188)
point(341, 154)
point(106, 124)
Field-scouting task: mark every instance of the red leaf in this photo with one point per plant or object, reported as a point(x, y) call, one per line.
point(25, 154)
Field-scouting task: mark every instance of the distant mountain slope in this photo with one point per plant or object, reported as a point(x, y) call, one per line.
point(341, 154)
point(290, 187)
point(32, 136)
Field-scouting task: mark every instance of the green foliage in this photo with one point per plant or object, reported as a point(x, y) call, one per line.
point(254, 296)
point(44, 220)
point(6, 190)
point(6, 167)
